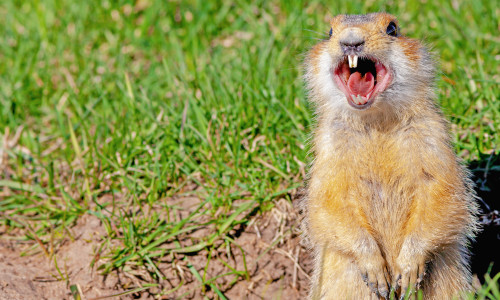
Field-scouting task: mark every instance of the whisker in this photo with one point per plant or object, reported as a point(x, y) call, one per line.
point(320, 33)
point(314, 38)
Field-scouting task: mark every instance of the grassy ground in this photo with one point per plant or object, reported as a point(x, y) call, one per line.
point(111, 107)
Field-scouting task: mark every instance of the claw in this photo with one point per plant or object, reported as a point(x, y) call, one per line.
point(385, 295)
point(419, 281)
point(397, 283)
point(402, 297)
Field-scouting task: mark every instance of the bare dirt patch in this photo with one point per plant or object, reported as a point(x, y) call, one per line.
point(37, 277)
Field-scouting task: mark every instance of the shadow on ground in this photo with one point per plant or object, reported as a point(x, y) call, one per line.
point(485, 250)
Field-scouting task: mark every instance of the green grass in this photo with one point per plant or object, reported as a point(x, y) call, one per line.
point(123, 106)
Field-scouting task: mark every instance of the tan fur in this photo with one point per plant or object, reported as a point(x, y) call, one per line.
point(387, 196)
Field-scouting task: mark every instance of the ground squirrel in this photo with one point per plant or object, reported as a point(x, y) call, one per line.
point(388, 203)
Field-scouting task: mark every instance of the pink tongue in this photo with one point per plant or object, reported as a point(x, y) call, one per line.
point(360, 85)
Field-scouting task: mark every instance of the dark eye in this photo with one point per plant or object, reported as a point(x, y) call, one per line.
point(331, 32)
point(392, 29)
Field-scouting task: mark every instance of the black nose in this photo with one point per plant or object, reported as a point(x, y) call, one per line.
point(352, 44)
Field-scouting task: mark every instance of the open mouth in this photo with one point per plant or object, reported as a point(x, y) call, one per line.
point(361, 79)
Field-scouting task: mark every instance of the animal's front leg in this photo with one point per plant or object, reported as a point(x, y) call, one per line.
point(410, 267)
point(333, 230)
point(373, 268)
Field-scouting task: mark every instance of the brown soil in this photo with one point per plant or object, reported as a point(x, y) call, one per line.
point(277, 263)
point(36, 276)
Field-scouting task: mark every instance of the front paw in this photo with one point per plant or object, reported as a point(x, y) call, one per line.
point(374, 272)
point(409, 273)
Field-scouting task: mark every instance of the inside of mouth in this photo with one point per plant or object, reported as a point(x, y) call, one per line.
point(360, 81)
point(363, 82)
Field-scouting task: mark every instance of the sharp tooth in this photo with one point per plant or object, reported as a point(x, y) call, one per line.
point(355, 61)
point(349, 57)
point(354, 99)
